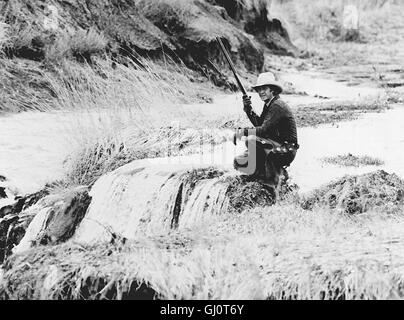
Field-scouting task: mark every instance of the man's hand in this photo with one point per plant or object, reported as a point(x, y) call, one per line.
point(247, 104)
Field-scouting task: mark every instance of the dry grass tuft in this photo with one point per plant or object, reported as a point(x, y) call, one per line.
point(82, 45)
point(244, 194)
point(24, 86)
point(349, 160)
point(358, 194)
point(333, 112)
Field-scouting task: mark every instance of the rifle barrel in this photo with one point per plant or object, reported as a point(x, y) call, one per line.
point(227, 56)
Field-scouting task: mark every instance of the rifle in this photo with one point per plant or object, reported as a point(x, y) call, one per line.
point(270, 145)
point(227, 56)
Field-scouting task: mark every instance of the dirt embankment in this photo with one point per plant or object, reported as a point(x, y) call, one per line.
point(180, 31)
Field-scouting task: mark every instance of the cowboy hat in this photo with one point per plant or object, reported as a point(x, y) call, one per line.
point(267, 79)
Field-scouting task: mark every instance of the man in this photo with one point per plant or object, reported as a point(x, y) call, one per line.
point(272, 143)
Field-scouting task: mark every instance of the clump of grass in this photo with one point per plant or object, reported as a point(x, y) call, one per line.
point(85, 43)
point(395, 96)
point(92, 160)
point(25, 42)
point(333, 112)
point(24, 86)
point(243, 194)
point(82, 45)
point(358, 194)
point(349, 160)
point(171, 16)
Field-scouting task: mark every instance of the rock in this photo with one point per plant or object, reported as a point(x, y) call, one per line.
point(3, 193)
point(135, 200)
point(253, 15)
point(15, 204)
point(55, 218)
point(11, 226)
point(5, 224)
point(7, 197)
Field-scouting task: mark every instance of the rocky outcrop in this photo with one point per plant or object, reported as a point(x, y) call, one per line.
point(139, 199)
point(55, 218)
point(12, 221)
point(38, 218)
point(254, 18)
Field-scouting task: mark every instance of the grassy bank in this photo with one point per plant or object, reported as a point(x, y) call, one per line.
point(280, 252)
point(284, 251)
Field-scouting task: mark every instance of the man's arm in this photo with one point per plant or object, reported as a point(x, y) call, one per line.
point(270, 121)
point(254, 118)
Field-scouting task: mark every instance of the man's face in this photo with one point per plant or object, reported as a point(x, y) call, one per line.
point(264, 92)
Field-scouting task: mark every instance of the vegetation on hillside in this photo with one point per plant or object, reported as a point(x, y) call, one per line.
point(172, 32)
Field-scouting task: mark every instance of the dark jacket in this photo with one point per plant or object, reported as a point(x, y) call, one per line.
point(276, 122)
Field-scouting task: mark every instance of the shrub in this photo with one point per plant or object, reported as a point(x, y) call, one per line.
point(24, 42)
point(171, 16)
point(82, 45)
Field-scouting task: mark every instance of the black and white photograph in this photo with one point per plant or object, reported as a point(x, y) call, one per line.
point(224, 151)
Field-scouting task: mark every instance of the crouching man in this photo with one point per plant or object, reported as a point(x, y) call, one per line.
point(272, 142)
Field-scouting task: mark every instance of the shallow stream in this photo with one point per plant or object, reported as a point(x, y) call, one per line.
point(34, 145)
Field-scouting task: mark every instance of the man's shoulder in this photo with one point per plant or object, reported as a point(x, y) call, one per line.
point(281, 105)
